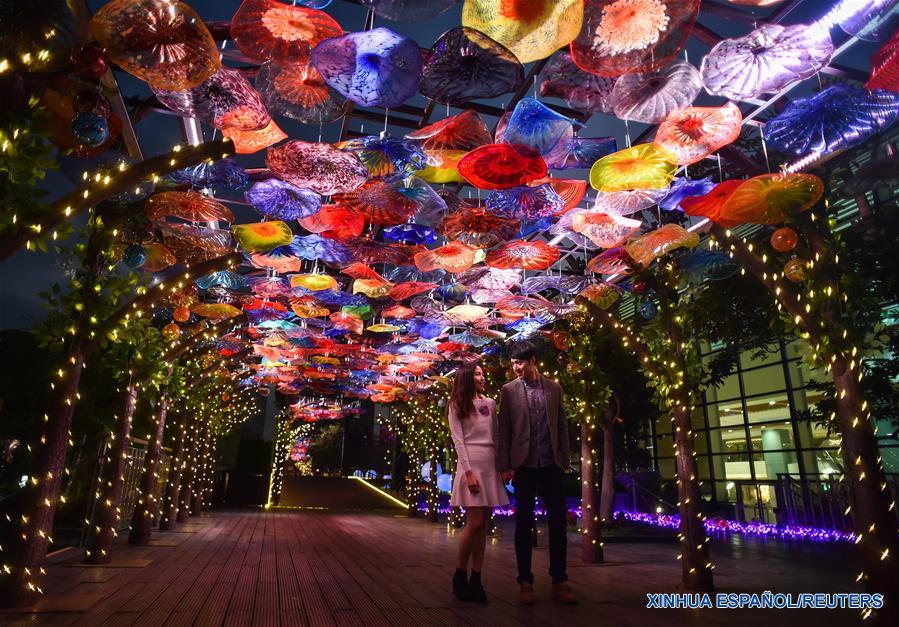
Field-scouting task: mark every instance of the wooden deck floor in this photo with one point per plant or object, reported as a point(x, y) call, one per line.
point(325, 568)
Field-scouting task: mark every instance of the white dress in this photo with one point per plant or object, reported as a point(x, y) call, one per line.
point(474, 439)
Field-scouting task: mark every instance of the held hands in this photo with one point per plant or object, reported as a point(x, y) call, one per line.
point(473, 485)
point(507, 475)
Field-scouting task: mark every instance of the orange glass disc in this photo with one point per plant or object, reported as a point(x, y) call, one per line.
point(527, 255)
point(379, 202)
point(645, 248)
point(249, 142)
point(453, 257)
point(162, 42)
point(772, 198)
point(463, 131)
point(693, 133)
point(190, 206)
point(571, 191)
point(266, 29)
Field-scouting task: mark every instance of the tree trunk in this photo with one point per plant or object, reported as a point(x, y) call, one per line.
point(196, 503)
point(433, 500)
point(872, 506)
point(168, 517)
point(591, 538)
point(110, 494)
point(26, 554)
point(697, 570)
point(870, 497)
point(187, 480)
point(607, 498)
point(144, 511)
point(41, 499)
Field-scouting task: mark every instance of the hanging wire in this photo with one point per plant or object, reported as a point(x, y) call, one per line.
point(765, 151)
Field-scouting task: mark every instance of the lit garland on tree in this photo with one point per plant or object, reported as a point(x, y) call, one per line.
point(286, 434)
point(836, 310)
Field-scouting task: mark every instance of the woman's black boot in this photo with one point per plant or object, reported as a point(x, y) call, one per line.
point(460, 585)
point(475, 589)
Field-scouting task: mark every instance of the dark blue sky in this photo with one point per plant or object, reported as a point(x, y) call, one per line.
point(27, 273)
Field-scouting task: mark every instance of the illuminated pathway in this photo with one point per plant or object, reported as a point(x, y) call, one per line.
point(351, 568)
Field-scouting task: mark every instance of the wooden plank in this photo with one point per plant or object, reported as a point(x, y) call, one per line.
point(352, 568)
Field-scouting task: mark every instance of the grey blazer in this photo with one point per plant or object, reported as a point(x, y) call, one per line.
point(513, 440)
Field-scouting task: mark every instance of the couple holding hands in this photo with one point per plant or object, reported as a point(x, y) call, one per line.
point(527, 442)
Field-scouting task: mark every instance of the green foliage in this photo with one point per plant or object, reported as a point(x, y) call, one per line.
point(732, 313)
point(26, 155)
point(868, 279)
point(97, 289)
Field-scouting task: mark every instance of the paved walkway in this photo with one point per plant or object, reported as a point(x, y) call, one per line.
point(351, 568)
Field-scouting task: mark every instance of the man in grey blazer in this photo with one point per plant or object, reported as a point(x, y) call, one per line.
point(533, 450)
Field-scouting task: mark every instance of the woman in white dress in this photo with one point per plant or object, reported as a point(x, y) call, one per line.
point(477, 486)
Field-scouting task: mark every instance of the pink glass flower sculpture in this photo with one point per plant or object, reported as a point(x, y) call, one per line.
point(319, 167)
point(765, 61)
point(650, 97)
point(604, 230)
point(626, 36)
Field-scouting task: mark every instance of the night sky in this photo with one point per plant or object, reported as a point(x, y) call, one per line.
point(27, 273)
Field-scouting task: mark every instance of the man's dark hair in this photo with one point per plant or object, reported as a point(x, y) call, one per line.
point(522, 350)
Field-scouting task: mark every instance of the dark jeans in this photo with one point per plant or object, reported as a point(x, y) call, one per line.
point(550, 482)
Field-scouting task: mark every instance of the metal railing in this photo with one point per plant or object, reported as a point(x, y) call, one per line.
point(820, 501)
point(135, 453)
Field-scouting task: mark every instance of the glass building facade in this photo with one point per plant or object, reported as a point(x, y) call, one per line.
point(750, 436)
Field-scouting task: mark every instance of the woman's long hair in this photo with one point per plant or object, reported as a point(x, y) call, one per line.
point(464, 391)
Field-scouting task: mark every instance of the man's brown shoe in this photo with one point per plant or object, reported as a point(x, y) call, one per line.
point(563, 594)
point(526, 594)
